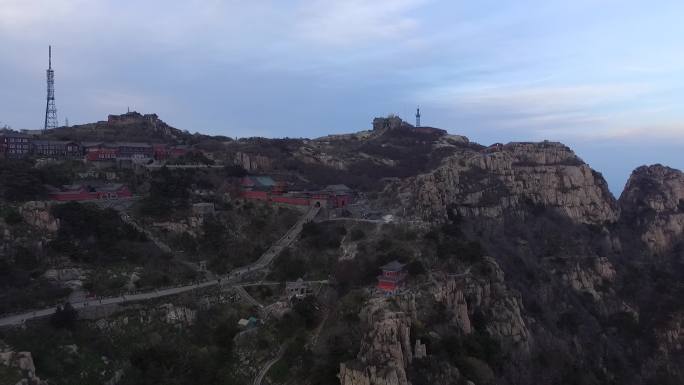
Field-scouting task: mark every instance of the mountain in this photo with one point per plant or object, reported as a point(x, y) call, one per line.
point(129, 127)
point(573, 285)
point(522, 267)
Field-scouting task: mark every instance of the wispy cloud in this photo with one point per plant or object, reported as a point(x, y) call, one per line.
point(535, 99)
point(584, 111)
point(355, 22)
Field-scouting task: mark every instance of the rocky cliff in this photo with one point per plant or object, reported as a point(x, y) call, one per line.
point(386, 350)
point(653, 205)
point(23, 361)
point(512, 178)
point(488, 295)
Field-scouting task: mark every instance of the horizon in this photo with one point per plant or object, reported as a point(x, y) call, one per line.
point(603, 79)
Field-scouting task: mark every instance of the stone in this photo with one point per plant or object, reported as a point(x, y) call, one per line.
point(489, 184)
point(385, 351)
point(37, 213)
point(420, 350)
point(653, 201)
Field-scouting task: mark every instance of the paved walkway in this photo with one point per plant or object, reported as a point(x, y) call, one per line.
point(265, 368)
point(232, 279)
point(241, 290)
point(270, 254)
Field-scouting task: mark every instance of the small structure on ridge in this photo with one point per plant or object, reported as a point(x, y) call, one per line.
point(392, 278)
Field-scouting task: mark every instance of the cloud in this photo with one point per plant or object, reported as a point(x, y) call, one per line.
point(581, 111)
point(535, 99)
point(670, 133)
point(355, 22)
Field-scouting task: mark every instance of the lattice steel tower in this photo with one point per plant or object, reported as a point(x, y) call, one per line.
point(50, 108)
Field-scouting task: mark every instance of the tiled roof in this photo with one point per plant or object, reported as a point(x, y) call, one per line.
point(337, 188)
point(53, 142)
point(132, 144)
point(393, 266)
point(110, 187)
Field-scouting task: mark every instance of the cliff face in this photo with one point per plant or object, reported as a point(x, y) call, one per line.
point(386, 350)
point(512, 178)
point(488, 295)
point(23, 361)
point(653, 205)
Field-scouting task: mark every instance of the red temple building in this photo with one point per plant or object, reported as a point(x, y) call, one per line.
point(81, 192)
point(392, 278)
point(265, 188)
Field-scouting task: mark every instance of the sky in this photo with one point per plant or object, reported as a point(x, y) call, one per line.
point(602, 76)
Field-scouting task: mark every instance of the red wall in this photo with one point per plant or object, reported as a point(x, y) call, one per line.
point(390, 286)
point(341, 200)
point(291, 200)
point(84, 195)
point(336, 201)
point(101, 154)
point(259, 195)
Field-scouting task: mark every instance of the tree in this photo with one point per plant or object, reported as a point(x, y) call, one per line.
point(307, 308)
point(12, 217)
point(65, 317)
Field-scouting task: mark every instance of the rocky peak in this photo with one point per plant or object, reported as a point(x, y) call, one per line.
point(504, 179)
point(657, 187)
point(386, 350)
point(389, 123)
point(653, 204)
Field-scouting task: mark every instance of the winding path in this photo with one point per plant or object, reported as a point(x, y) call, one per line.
point(267, 366)
point(232, 279)
point(285, 241)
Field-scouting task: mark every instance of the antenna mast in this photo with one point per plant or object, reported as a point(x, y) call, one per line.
point(50, 108)
point(418, 117)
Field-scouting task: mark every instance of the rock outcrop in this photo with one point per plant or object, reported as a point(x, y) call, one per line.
point(386, 350)
point(592, 275)
point(671, 336)
point(253, 162)
point(450, 291)
point(653, 204)
point(466, 294)
point(510, 179)
point(23, 361)
point(37, 214)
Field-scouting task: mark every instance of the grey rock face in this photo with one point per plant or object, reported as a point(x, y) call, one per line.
point(386, 350)
point(512, 178)
point(653, 203)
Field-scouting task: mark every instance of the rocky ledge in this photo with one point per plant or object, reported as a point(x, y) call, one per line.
point(511, 178)
point(653, 203)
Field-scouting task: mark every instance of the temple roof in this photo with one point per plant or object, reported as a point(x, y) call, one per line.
point(393, 266)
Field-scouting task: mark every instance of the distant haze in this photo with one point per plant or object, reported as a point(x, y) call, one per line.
point(603, 77)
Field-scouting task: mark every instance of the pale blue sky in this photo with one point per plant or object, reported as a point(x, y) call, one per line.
point(602, 76)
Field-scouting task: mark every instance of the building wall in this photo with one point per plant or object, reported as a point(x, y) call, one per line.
point(84, 195)
point(16, 146)
point(130, 151)
point(298, 201)
point(95, 154)
point(71, 150)
point(258, 195)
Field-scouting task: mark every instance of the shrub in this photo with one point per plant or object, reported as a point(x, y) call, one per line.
point(477, 370)
point(64, 317)
point(169, 190)
point(12, 217)
point(20, 182)
point(235, 171)
point(415, 267)
point(357, 234)
point(88, 233)
point(307, 309)
point(288, 267)
point(321, 236)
